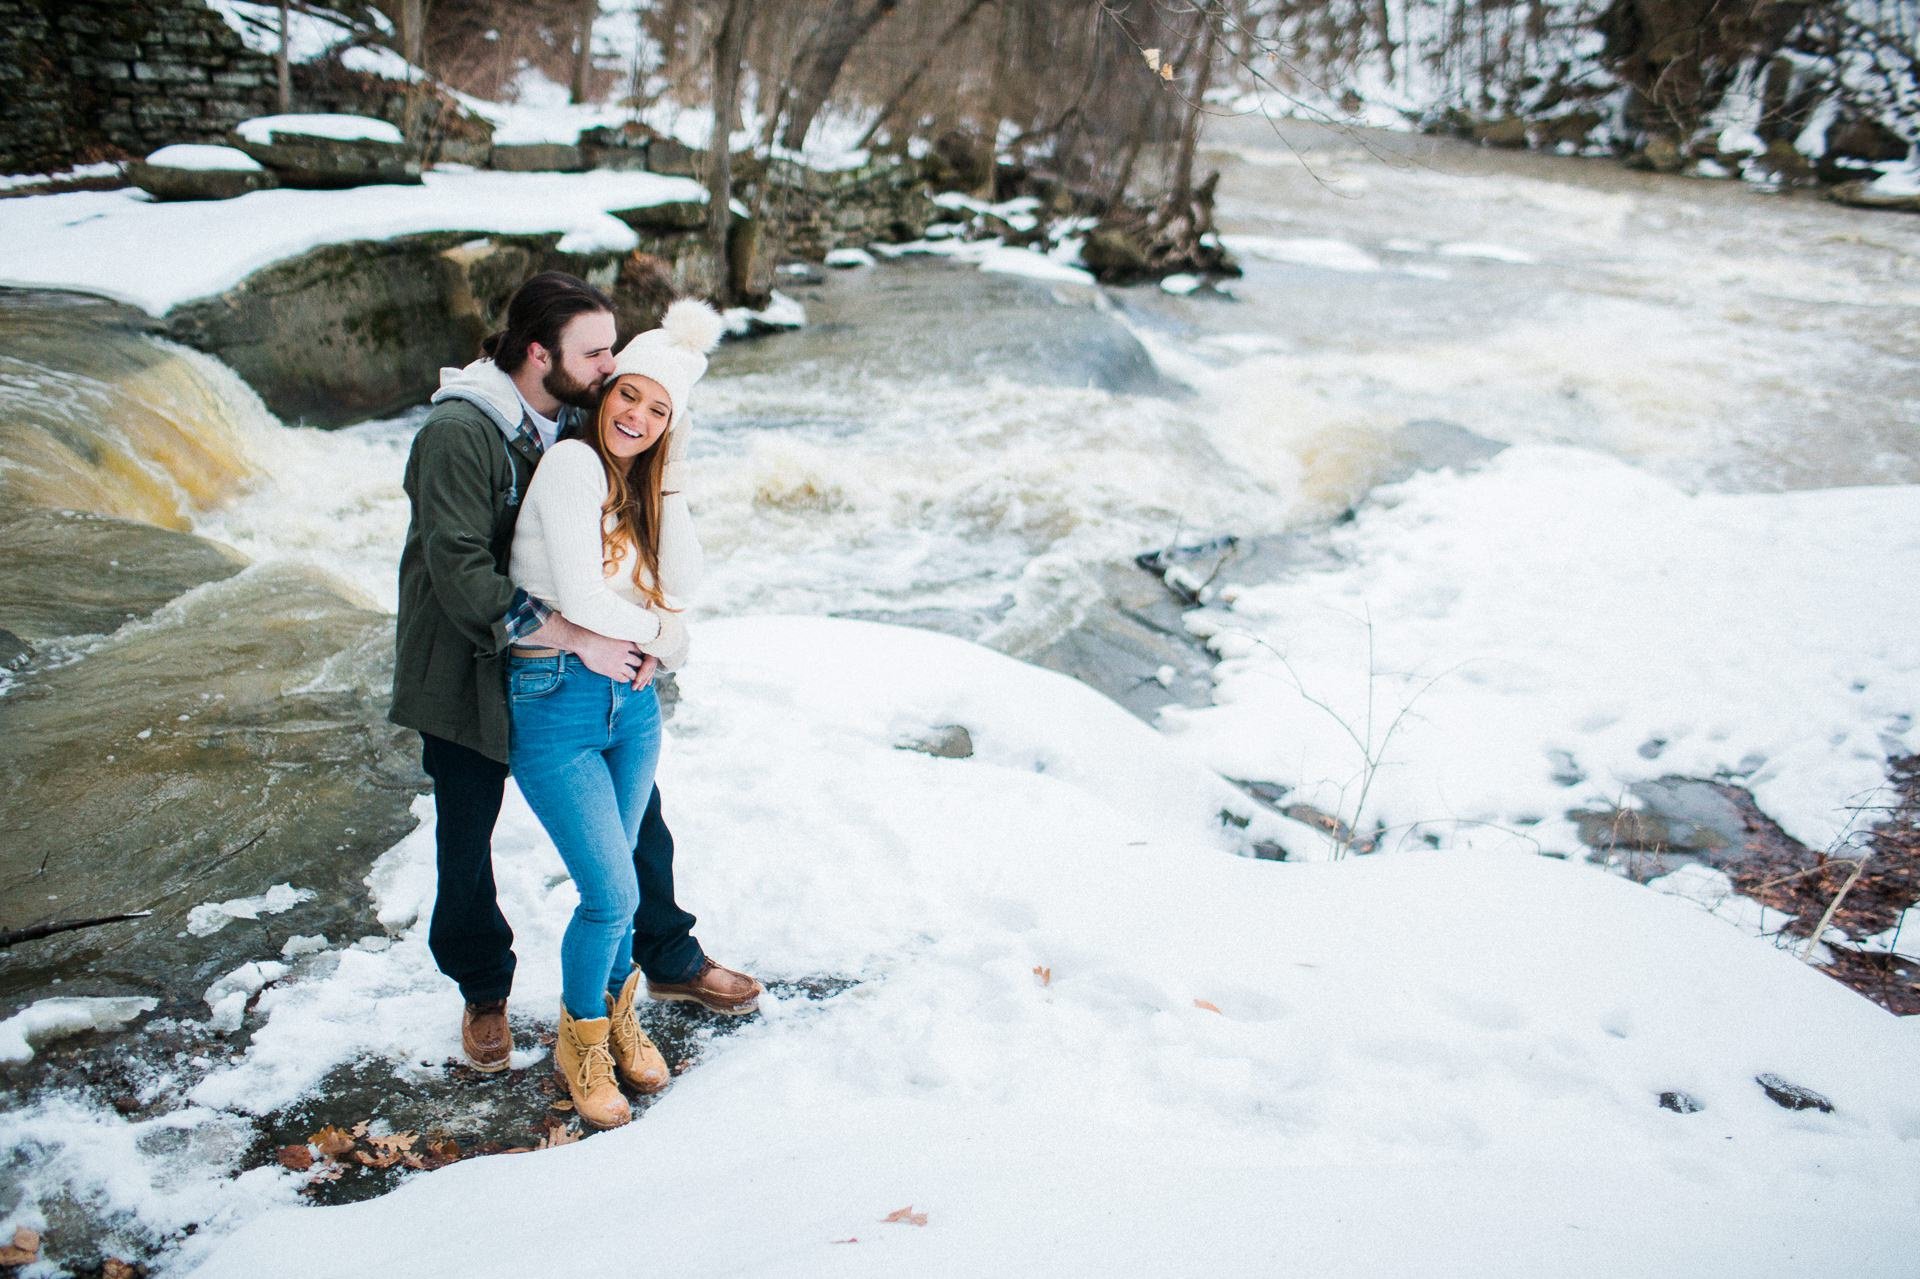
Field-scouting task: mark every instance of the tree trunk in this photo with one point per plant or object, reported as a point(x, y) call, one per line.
point(921, 68)
point(729, 51)
point(281, 65)
point(821, 59)
point(1196, 111)
point(583, 50)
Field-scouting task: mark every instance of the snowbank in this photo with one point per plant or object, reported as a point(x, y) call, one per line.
point(1563, 625)
point(155, 256)
point(50, 1019)
point(198, 156)
point(262, 130)
point(1088, 1039)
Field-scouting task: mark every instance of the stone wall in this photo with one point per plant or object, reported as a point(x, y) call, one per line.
point(94, 79)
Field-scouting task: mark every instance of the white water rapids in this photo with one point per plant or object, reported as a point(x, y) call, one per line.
point(1721, 338)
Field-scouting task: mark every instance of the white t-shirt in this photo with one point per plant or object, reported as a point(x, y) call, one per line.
point(557, 551)
point(547, 428)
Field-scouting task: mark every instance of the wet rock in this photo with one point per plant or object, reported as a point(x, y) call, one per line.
point(14, 651)
point(537, 157)
point(236, 741)
point(1681, 820)
point(301, 160)
point(170, 182)
point(1855, 146)
point(352, 331)
point(1574, 129)
point(1861, 195)
point(1662, 154)
point(67, 573)
point(943, 741)
point(1114, 252)
point(1680, 1103)
point(1792, 1096)
point(1502, 133)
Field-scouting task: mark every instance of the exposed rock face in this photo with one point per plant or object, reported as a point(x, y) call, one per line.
point(1862, 195)
point(236, 742)
point(69, 573)
point(85, 76)
point(537, 157)
point(165, 182)
point(299, 160)
point(351, 331)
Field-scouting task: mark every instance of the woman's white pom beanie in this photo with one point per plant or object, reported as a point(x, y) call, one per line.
point(675, 354)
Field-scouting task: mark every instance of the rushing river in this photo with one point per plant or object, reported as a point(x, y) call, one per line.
point(922, 449)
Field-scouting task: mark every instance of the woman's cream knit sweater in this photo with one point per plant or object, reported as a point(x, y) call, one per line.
point(557, 550)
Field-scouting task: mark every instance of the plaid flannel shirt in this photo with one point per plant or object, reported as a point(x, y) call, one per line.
point(526, 614)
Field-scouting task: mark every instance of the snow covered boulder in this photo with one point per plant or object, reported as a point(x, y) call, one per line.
point(194, 172)
point(328, 150)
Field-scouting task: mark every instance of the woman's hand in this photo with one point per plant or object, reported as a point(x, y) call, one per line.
point(648, 665)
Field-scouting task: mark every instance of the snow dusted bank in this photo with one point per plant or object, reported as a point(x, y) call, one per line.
point(1087, 1039)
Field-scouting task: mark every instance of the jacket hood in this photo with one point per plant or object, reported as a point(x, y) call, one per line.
point(485, 384)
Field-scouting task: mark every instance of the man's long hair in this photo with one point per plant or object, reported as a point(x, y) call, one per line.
point(633, 500)
point(537, 312)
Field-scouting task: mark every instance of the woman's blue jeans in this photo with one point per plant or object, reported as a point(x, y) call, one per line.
point(584, 748)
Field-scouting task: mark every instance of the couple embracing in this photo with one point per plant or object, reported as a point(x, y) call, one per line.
point(549, 558)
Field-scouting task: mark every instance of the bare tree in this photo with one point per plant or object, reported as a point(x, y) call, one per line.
point(826, 52)
point(281, 61)
point(585, 12)
point(727, 58)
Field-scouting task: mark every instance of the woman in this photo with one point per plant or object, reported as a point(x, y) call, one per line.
point(606, 538)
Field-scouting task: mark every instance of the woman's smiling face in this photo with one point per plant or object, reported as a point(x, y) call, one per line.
point(636, 416)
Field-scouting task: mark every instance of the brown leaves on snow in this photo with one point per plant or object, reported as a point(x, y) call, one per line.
point(24, 1249)
point(906, 1216)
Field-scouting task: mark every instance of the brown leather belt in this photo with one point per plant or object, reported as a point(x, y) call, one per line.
point(517, 651)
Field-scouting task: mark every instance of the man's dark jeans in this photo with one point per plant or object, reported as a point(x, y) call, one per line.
point(468, 935)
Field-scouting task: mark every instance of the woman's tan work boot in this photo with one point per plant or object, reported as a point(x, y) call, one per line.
point(586, 1067)
point(638, 1062)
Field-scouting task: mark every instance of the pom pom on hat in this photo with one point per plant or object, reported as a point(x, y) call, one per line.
point(675, 354)
point(693, 325)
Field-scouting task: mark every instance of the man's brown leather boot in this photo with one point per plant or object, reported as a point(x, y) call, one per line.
point(717, 989)
point(485, 1036)
point(637, 1061)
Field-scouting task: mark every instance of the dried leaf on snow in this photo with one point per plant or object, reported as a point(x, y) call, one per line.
point(906, 1216)
point(1044, 974)
point(1208, 1006)
point(24, 1248)
point(297, 1158)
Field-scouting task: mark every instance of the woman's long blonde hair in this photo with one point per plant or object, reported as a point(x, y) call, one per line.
point(633, 499)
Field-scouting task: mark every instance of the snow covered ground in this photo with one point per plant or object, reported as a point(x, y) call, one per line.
point(120, 244)
point(1559, 625)
point(1087, 1038)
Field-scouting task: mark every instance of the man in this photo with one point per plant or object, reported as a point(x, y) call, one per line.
point(468, 470)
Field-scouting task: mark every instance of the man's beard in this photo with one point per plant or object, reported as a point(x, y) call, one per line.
point(561, 386)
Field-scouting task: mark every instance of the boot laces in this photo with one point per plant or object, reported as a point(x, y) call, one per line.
point(596, 1066)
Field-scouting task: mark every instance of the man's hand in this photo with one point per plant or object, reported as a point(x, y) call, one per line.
point(613, 658)
point(603, 655)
